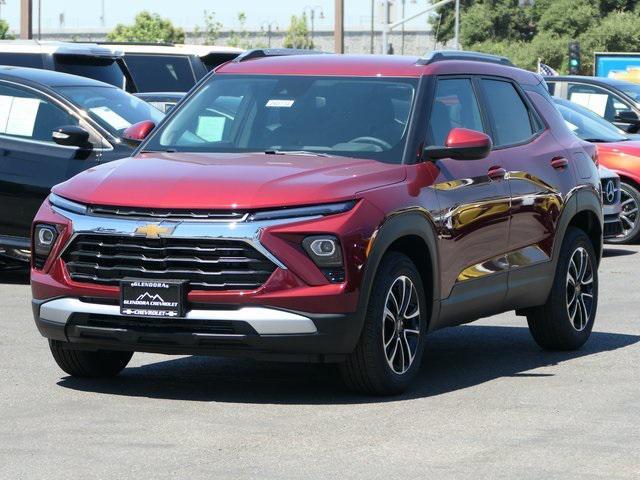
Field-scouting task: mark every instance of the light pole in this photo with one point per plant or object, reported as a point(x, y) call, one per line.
point(456, 37)
point(268, 26)
point(39, 19)
point(312, 14)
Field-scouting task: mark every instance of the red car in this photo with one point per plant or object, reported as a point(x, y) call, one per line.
point(326, 208)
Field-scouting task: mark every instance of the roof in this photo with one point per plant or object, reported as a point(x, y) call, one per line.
point(48, 78)
point(177, 49)
point(369, 66)
point(51, 47)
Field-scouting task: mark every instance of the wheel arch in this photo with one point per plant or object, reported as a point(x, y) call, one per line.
point(413, 234)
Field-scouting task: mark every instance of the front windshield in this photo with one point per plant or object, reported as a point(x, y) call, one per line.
point(112, 108)
point(588, 125)
point(358, 117)
point(632, 90)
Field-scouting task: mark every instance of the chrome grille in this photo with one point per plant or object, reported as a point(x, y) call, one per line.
point(610, 191)
point(207, 264)
point(110, 211)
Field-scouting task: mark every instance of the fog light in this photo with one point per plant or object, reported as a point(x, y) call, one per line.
point(324, 250)
point(44, 238)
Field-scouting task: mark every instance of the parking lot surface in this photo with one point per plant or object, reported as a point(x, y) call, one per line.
point(487, 404)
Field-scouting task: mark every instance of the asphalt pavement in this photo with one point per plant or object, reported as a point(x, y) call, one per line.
point(488, 404)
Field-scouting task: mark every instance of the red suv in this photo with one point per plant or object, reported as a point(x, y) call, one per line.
point(326, 208)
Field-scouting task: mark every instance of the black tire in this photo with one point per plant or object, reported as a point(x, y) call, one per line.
point(366, 369)
point(551, 324)
point(98, 364)
point(630, 213)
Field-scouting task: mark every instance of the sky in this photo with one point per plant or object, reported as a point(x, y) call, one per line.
point(187, 13)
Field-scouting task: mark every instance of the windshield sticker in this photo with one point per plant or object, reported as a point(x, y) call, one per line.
point(275, 103)
point(211, 128)
point(111, 117)
point(596, 102)
point(22, 116)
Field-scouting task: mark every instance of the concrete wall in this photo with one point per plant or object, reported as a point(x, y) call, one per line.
point(416, 42)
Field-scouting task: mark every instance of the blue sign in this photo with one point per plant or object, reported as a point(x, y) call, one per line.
point(623, 66)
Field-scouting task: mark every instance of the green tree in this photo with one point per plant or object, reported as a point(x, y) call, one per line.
point(298, 34)
point(147, 27)
point(242, 38)
point(4, 30)
point(212, 29)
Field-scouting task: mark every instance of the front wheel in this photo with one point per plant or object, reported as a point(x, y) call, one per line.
point(79, 363)
point(566, 320)
point(630, 200)
point(389, 352)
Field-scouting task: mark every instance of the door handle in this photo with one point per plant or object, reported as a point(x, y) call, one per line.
point(559, 163)
point(496, 173)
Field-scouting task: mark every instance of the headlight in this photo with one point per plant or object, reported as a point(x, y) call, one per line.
point(44, 238)
point(326, 253)
point(300, 212)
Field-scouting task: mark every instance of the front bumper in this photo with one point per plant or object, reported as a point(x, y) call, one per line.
point(612, 226)
point(254, 331)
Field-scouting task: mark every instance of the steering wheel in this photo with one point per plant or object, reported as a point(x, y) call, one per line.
point(374, 140)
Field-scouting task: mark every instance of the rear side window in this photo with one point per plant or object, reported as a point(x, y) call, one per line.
point(103, 69)
point(454, 106)
point(31, 60)
point(508, 113)
point(161, 73)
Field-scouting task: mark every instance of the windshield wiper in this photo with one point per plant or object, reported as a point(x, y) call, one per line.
point(598, 140)
point(296, 152)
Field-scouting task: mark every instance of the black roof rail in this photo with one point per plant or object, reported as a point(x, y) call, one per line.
point(273, 52)
point(145, 44)
point(441, 55)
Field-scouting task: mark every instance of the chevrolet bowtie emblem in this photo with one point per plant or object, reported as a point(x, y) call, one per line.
point(153, 230)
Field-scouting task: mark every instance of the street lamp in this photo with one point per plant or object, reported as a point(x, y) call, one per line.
point(269, 26)
point(312, 14)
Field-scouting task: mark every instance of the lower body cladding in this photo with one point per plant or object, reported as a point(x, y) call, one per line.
point(253, 331)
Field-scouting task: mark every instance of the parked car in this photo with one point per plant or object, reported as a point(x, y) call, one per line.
point(617, 101)
point(327, 208)
point(171, 68)
point(84, 59)
point(590, 127)
point(618, 152)
point(52, 126)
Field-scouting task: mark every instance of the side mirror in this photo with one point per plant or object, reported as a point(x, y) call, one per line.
point(461, 144)
point(136, 133)
point(628, 116)
point(71, 136)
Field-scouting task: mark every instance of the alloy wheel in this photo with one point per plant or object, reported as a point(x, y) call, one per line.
point(629, 214)
point(580, 289)
point(401, 325)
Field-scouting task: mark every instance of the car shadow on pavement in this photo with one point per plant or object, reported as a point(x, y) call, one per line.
point(456, 358)
point(14, 275)
point(616, 252)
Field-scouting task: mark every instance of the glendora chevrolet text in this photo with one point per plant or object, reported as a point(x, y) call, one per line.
point(327, 208)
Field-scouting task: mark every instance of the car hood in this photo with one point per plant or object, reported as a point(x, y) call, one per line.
point(629, 147)
point(227, 181)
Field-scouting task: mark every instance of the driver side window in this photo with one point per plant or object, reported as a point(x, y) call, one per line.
point(27, 115)
point(454, 106)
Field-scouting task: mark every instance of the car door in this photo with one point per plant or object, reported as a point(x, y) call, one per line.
point(474, 203)
point(605, 103)
point(540, 178)
point(30, 162)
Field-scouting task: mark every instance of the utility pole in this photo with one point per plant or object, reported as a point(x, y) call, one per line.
point(338, 34)
point(456, 38)
point(26, 19)
point(373, 26)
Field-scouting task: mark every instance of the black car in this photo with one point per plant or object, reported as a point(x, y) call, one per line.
point(52, 126)
point(614, 100)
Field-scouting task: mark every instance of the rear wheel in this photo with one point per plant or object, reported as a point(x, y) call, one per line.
point(79, 363)
point(630, 199)
point(566, 320)
point(389, 351)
